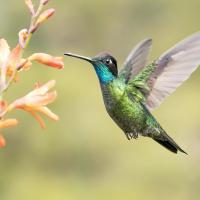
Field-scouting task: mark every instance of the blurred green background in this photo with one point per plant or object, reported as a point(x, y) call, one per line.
point(85, 155)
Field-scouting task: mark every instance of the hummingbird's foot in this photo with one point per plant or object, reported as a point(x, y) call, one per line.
point(132, 135)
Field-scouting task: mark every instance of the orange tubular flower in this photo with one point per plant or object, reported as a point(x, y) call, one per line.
point(12, 62)
point(6, 124)
point(36, 101)
point(42, 18)
point(2, 141)
point(45, 15)
point(3, 107)
point(49, 60)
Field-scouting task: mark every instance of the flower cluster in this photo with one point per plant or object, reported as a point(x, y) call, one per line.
point(12, 63)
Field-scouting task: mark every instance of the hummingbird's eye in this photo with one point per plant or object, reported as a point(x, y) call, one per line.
point(108, 61)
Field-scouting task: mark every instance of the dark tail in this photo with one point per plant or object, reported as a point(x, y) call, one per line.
point(167, 142)
point(162, 137)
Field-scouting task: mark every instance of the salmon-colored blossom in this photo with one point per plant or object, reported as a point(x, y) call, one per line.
point(2, 141)
point(3, 107)
point(45, 15)
point(12, 62)
point(43, 58)
point(36, 101)
point(6, 124)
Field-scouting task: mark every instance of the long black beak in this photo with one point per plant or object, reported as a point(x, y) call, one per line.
point(78, 56)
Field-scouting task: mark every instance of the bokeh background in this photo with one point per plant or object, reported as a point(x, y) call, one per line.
point(85, 155)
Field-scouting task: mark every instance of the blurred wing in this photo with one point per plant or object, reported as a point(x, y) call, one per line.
point(171, 70)
point(136, 60)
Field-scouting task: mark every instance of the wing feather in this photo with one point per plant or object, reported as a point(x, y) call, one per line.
point(136, 60)
point(172, 69)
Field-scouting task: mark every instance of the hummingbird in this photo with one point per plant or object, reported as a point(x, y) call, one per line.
point(133, 92)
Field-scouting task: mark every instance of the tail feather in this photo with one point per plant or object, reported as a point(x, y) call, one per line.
point(156, 132)
point(167, 142)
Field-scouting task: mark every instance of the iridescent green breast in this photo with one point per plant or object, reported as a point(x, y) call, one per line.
point(126, 111)
point(112, 92)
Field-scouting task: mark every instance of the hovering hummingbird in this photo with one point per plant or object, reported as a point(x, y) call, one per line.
point(130, 94)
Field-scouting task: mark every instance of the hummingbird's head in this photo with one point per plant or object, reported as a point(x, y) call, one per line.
point(104, 64)
point(107, 61)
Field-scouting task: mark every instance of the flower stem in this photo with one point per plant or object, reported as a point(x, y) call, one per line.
point(3, 85)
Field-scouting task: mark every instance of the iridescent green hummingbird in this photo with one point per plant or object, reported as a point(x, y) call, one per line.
point(131, 94)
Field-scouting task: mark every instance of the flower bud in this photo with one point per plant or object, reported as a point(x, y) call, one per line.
point(5, 124)
point(29, 4)
point(2, 141)
point(45, 15)
point(8, 123)
point(49, 60)
point(23, 35)
point(3, 107)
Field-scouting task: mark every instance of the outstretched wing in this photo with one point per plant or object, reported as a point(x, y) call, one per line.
point(136, 60)
point(168, 72)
